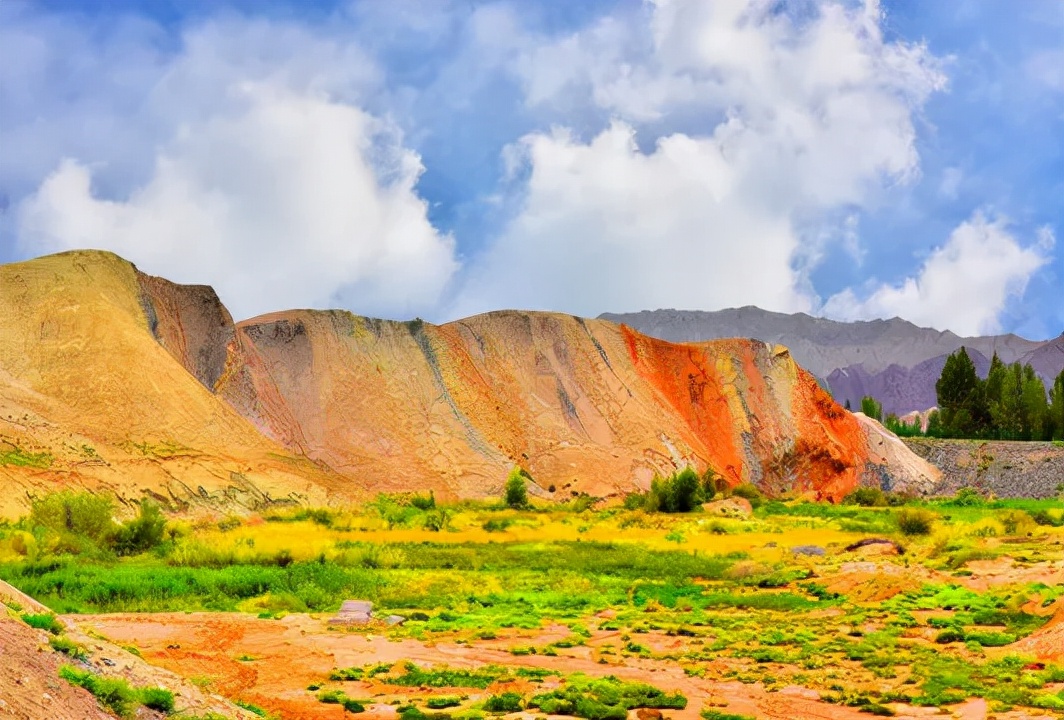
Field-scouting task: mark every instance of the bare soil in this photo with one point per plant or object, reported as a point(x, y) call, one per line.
point(282, 657)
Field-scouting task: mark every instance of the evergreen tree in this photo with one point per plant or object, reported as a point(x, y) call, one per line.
point(994, 382)
point(1012, 421)
point(1056, 408)
point(961, 398)
point(934, 424)
point(872, 408)
point(1035, 408)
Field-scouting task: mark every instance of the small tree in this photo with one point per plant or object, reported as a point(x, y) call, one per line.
point(872, 408)
point(517, 488)
point(78, 513)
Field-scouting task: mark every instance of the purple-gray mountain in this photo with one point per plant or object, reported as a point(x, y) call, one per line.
point(894, 361)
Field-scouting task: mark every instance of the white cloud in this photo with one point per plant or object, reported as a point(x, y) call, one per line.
point(606, 226)
point(963, 285)
point(809, 118)
point(273, 185)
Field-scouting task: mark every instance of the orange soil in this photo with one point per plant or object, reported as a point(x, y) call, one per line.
point(298, 650)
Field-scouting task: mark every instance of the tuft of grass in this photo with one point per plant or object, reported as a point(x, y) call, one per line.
point(251, 707)
point(43, 621)
point(114, 694)
point(717, 715)
point(68, 647)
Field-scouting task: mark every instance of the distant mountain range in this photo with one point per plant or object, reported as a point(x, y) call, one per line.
point(893, 360)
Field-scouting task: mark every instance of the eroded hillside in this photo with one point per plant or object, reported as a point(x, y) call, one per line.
point(110, 378)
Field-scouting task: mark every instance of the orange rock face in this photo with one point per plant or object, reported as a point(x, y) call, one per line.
point(175, 399)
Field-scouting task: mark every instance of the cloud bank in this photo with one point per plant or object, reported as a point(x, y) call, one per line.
point(805, 114)
point(677, 153)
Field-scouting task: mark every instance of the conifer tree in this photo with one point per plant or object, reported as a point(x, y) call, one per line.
point(961, 398)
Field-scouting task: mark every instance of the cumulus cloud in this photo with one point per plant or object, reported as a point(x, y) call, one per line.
point(964, 285)
point(274, 185)
point(805, 116)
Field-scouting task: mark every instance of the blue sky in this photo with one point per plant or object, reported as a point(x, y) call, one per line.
point(437, 158)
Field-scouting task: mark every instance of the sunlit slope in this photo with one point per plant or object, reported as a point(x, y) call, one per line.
point(110, 378)
point(90, 397)
point(583, 405)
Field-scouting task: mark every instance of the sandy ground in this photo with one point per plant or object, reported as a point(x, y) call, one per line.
point(282, 657)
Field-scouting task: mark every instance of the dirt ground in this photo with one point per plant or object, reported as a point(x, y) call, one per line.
point(30, 688)
point(271, 662)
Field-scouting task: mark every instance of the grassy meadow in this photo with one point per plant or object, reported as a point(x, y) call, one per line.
point(774, 599)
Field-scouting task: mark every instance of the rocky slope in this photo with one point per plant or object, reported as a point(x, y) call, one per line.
point(112, 379)
point(892, 360)
point(31, 689)
point(1006, 469)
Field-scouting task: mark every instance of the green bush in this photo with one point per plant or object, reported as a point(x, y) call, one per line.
point(156, 698)
point(915, 521)
point(439, 702)
point(424, 502)
point(67, 646)
point(113, 693)
point(43, 621)
point(508, 702)
point(436, 520)
point(143, 532)
point(80, 513)
point(605, 698)
point(680, 492)
point(717, 715)
point(497, 524)
point(750, 492)
point(967, 497)
point(866, 497)
point(516, 495)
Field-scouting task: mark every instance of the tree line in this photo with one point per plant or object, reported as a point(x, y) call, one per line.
point(1010, 404)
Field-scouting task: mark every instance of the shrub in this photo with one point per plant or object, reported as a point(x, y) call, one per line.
point(1016, 522)
point(750, 492)
point(508, 702)
point(497, 524)
point(81, 513)
point(516, 495)
point(439, 702)
point(914, 521)
point(424, 502)
point(143, 532)
point(680, 492)
point(635, 501)
point(436, 520)
point(967, 497)
point(604, 698)
point(866, 497)
point(157, 698)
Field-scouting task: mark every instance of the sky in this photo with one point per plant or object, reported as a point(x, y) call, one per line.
point(441, 158)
